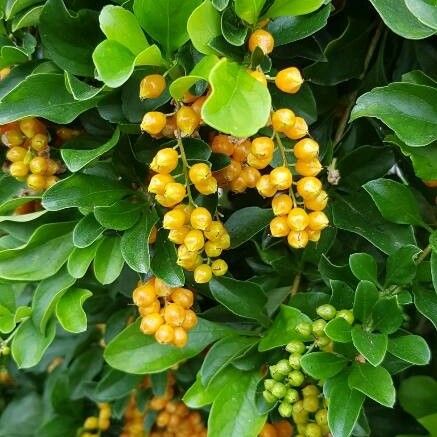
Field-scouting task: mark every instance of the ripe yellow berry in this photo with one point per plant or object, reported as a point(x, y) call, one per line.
point(187, 120)
point(36, 182)
point(190, 320)
point(219, 267)
point(207, 186)
point(281, 177)
point(306, 149)
point(19, 169)
point(308, 168)
point(104, 423)
point(265, 186)
point(212, 249)
point(309, 187)
point(50, 181)
point(202, 274)
point(152, 86)
point(52, 167)
point(151, 323)
point(199, 172)
point(297, 239)
point(31, 126)
point(299, 130)
point(173, 219)
point(174, 193)
point(279, 227)
point(238, 185)
point(174, 314)
point(16, 154)
point(297, 219)
point(186, 255)
point(241, 150)
point(153, 308)
point(38, 165)
point(164, 334)
point(91, 423)
point(250, 176)
point(194, 240)
point(259, 76)
point(39, 142)
point(222, 144)
point(144, 295)
point(224, 241)
point(178, 235)
point(153, 122)
point(183, 297)
point(162, 289)
point(258, 163)
point(318, 203)
point(165, 161)
point(187, 209)
point(317, 220)
point(262, 147)
point(200, 218)
point(158, 182)
point(12, 138)
point(262, 39)
point(282, 204)
point(289, 80)
point(180, 339)
point(313, 235)
point(198, 104)
point(283, 119)
point(215, 230)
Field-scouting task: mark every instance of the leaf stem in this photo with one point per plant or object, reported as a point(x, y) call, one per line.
point(296, 283)
point(424, 254)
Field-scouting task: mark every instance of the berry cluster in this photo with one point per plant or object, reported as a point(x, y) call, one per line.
point(165, 311)
point(94, 425)
point(282, 428)
point(29, 153)
point(133, 420)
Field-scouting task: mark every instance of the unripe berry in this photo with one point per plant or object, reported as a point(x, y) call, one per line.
point(152, 86)
point(250, 176)
point(304, 328)
point(296, 378)
point(190, 320)
point(311, 404)
point(269, 398)
point(219, 267)
point(262, 147)
point(296, 346)
point(291, 396)
point(299, 129)
point(281, 177)
point(300, 419)
point(322, 417)
point(153, 122)
point(318, 220)
point(200, 218)
point(269, 384)
point(308, 168)
point(297, 219)
point(306, 149)
point(298, 407)
point(282, 204)
point(16, 154)
point(153, 308)
point(174, 314)
point(279, 390)
point(318, 203)
point(309, 187)
point(259, 76)
point(277, 376)
point(323, 341)
point(19, 169)
point(326, 311)
point(164, 334)
point(187, 120)
point(222, 144)
point(173, 219)
point(36, 182)
point(158, 182)
point(310, 390)
point(178, 235)
point(144, 294)
point(183, 297)
point(262, 39)
point(289, 80)
point(202, 274)
point(258, 163)
point(207, 186)
point(347, 315)
point(194, 240)
point(265, 187)
point(180, 338)
point(283, 367)
point(285, 409)
point(165, 161)
point(313, 430)
point(319, 327)
point(297, 239)
point(279, 227)
point(294, 360)
point(283, 119)
point(150, 323)
point(39, 142)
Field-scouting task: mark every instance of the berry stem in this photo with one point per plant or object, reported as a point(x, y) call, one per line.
point(296, 283)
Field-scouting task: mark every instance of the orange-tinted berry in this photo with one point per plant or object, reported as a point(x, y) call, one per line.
point(145, 294)
point(297, 219)
point(52, 167)
point(283, 119)
point(152, 86)
point(104, 423)
point(199, 172)
point(158, 182)
point(262, 39)
point(183, 297)
point(151, 322)
point(299, 129)
point(262, 147)
point(318, 203)
point(238, 185)
point(284, 428)
point(250, 176)
point(241, 150)
point(279, 227)
point(187, 120)
point(222, 144)
point(289, 80)
point(164, 334)
point(36, 182)
point(16, 154)
point(265, 186)
point(170, 127)
point(174, 314)
point(162, 289)
point(229, 173)
point(306, 149)
point(282, 204)
point(268, 431)
point(259, 76)
point(162, 419)
point(194, 240)
point(309, 187)
point(180, 339)
point(219, 267)
point(281, 177)
point(431, 183)
point(207, 186)
point(153, 308)
point(308, 168)
point(200, 218)
point(39, 142)
point(198, 104)
point(202, 274)
point(66, 133)
point(173, 219)
point(258, 163)
point(50, 181)
point(318, 220)
point(153, 122)
point(297, 239)
point(165, 161)
point(38, 165)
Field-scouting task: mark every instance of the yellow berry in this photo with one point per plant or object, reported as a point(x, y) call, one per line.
point(297, 239)
point(212, 249)
point(165, 161)
point(282, 204)
point(318, 203)
point(36, 182)
point(39, 142)
point(173, 219)
point(158, 182)
point(279, 227)
point(313, 235)
point(162, 289)
point(16, 154)
point(265, 186)
point(180, 339)
point(297, 219)
point(19, 169)
point(187, 120)
point(219, 267)
point(153, 308)
point(200, 218)
point(309, 187)
point(262, 147)
point(306, 149)
point(250, 176)
point(281, 177)
point(194, 240)
point(91, 423)
point(12, 138)
point(262, 39)
point(308, 168)
point(238, 185)
point(31, 126)
point(215, 230)
point(224, 241)
point(183, 297)
point(289, 80)
point(190, 320)
point(177, 236)
point(50, 181)
point(259, 76)
point(144, 294)
point(152, 86)
point(207, 186)
point(299, 129)
point(151, 323)
point(174, 314)
point(164, 334)
point(199, 172)
point(38, 165)
point(153, 122)
point(52, 167)
point(283, 119)
point(174, 193)
point(258, 163)
point(202, 274)
point(317, 220)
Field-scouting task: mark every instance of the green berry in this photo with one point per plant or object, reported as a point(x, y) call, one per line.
point(298, 407)
point(300, 418)
point(323, 341)
point(319, 327)
point(269, 397)
point(279, 390)
point(311, 404)
point(294, 360)
point(6, 350)
point(305, 329)
point(326, 311)
point(296, 378)
point(283, 367)
point(269, 383)
point(285, 409)
point(295, 346)
point(310, 390)
point(347, 315)
point(277, 376)
point(322, 417)
point(291, 396)
point(313, 430)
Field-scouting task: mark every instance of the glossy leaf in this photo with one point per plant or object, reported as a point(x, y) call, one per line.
point(249, 10)
point(115, 385)
point(28, 18)
point(108, 261)
point(87, 231)
point(401, 266)
point(426, 303)
point(364, 267)
point(69, 310)
point(424, 11)
point(322, 365)
point(339, 330)
point(120, 216)
point(80, 259)
point(386, 315)
point(281, 8)
point(372, 346)
point(366, 296)
point(411, 348)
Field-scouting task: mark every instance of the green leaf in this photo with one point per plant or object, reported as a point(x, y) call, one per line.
point(222, 353)
point(87, 231)
point(418, 395)
point(410, 348)
point(322, 365)
point(434, 268)
point(69, 310)
point(249, 10)
point(7, 320)
point(76, 159)
point(120, 215)
point(164, 260)
point(29, 344)
point(43, 95)
point(49, 242)
point(426, 303)
point(83, 191)
point(339, 330)
point(115, 385)
point(395, 201)
point(283, 329)
point(47, 295)
point(243, 298)
point(108, 261)
point(254, 219)
point(238, 104)
point(366, 296)
point(133, 352)
point(344, 407)
point(13, 7)
point(238, 397)
point(401, 268)
point(386, 315)
point(364, 267)
point(80, 259)
point(358, 214)
point(68, 39)
point(400, 20)
point(203, 26)
point(80, 90)
point(28, 18)
point(281, 8)
point(424, 11)
point(294, 28)
point(165, 21)
point(372, 346)
point(374, 382)
point(220, 5)
point(342, 294)
point(135, 243)
point(392, 105)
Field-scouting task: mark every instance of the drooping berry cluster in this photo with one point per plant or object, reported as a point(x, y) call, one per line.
point(29, 153)
point(165, 311)
point(283, 428)
point(133, 420)
point(94, 425)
